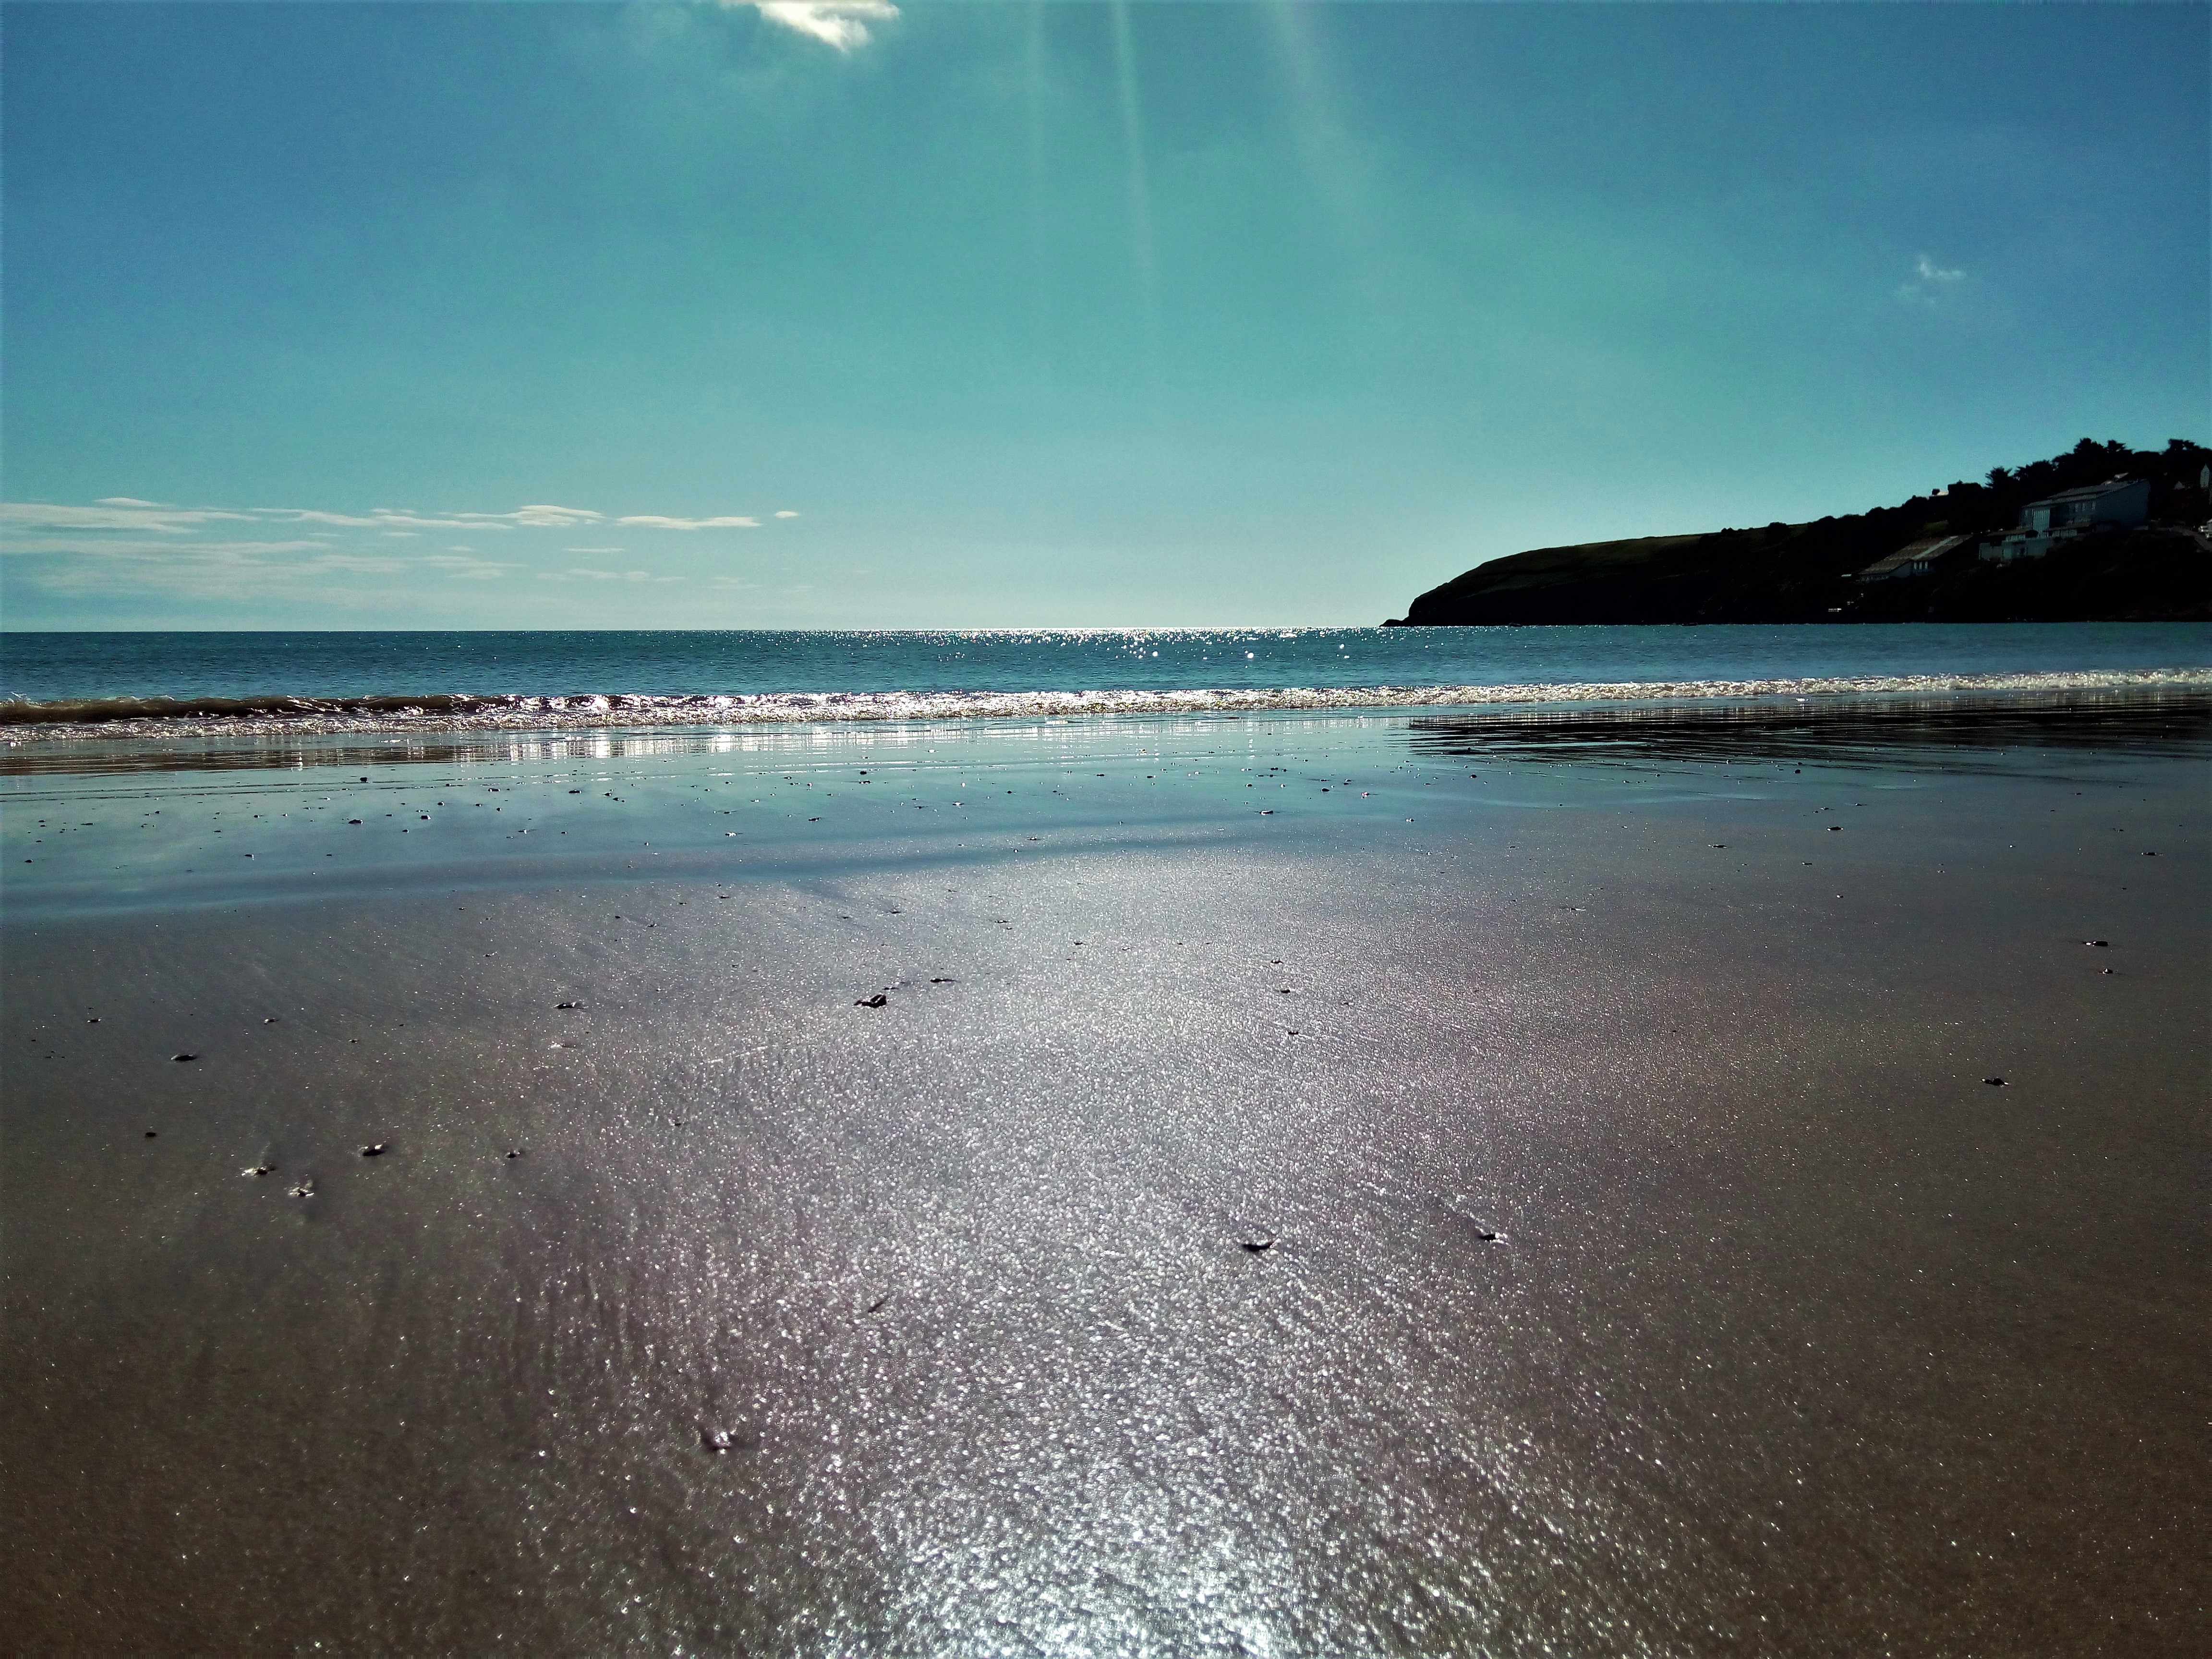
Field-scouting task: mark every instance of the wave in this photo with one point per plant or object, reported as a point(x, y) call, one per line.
point(27, 722)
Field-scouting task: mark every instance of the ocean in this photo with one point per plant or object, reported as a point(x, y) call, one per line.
point(208, 684)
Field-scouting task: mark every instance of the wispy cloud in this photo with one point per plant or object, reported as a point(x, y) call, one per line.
point(125, 514)
point(1930, 281)
point(580, 574)
point(654, 521)
point(787, 514)
point(114, 547)
point(115, 514)
point(467, 569)
point(556, 517)
point(840, 23)
point(124, 546)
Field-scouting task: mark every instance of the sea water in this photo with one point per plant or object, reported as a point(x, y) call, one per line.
point(200, 684)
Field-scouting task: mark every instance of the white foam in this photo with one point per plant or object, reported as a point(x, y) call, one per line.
point(787, 709)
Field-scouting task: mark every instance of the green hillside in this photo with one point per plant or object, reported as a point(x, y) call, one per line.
point(1808, 572)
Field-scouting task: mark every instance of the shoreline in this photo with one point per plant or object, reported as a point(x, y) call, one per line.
point(127, 720)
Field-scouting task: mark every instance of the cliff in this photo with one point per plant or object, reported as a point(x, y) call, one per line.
point(1795, 573)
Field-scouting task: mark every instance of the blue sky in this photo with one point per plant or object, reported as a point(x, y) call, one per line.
point(945, 314)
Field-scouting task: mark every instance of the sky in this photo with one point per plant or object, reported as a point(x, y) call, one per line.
point(728, 315)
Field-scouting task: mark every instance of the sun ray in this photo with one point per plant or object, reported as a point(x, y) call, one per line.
point(1132, 142)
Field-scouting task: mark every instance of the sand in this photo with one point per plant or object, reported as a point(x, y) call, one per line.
point(1557, 1209)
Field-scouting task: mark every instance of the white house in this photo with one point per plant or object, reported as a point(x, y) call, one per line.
point(2118, 504)
point(1914, 559)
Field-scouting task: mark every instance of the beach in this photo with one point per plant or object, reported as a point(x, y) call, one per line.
point(1353, 1182)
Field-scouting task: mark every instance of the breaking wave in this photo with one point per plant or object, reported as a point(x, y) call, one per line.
point(25, 722)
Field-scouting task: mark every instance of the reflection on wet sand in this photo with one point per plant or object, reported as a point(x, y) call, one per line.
point(1966, 731)
point(1145, 1187)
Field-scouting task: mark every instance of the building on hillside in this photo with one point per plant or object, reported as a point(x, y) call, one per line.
point(2118, 504)
point(1914, 559)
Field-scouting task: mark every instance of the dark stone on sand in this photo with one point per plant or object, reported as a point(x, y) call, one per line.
point(181, 1059)
point(875, 1001)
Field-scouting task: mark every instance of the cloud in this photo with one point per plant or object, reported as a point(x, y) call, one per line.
point(840, 23)
point(787, 514)
point(560, 517)
point(356, 564)
point(165, 520)
point(125, 547)
point(579, 574)
point(1930, 282)
point(388, 518)
point(654, 521)
point(468, 569)
point(127, 515)
point(114, 548)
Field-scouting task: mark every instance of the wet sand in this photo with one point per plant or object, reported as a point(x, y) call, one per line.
point(1558, 1209)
